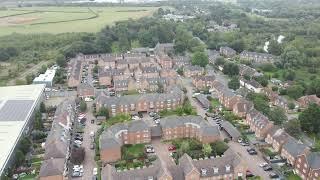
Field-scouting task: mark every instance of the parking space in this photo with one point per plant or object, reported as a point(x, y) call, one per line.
point(161, 150)
point(89, 163)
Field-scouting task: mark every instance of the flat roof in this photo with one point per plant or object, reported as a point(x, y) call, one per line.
point(16, 106)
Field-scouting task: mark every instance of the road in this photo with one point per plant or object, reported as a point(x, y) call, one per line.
point(89, 162)
point(187, 83)
point(252, 161)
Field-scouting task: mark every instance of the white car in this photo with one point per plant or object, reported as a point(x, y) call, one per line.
point(95, 171)
point(78, 142)
point(263, 164)
point(88, 99)
point(135, 118)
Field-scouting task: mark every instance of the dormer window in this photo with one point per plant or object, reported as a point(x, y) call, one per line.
point(203, 172)
point(228, 167)
point(215, 170)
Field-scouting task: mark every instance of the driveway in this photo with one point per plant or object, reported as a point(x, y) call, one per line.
point(161, 150)
point(187, 83)
point(252, 161)
point(89, 162)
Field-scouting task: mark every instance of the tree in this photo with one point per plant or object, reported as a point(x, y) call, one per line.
point(293, 128)
point(290, 57)
point(61, 60)
point(291, 105)
point(289, 75)
point(234, 83)
point(309, 119)
point(184, 147)
point(278, 116)
point(219, 147)
point(231, 69)
point(24, 145)
point(263, 80)
point(206, 149)
point(38, 125)
point(77, 155)
point(42, 107)
point(103, 112)
point(220, 61)
point(275, 48)
point(160, 88)
point(295, 91)
point(19, 158)
point(314, 87)
point(200, 58)
point(83, 106)
point(180, 71)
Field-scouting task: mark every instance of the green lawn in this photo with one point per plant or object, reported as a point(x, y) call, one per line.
point(106, 16)
point(28, 177)
point(215, 103)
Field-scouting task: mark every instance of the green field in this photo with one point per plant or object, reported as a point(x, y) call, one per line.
point(66, 19)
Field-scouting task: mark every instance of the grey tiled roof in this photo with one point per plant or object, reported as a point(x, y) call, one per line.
point(293, 147)
point(15, 110)
point(52, 167)
point(313, 159)
point(230, 129)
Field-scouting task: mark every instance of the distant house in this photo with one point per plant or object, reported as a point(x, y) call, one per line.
point(213, 56)
point(190, 71)
point(257, 58)
point(242, 108)
point(203, 82)
point(251, 85)
point(245, 70)
point(227, 52)
point(85, 90)
point(304, 101)
point(180, 61)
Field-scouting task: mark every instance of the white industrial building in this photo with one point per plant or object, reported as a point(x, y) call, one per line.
point(17, 109)
point(46, 78)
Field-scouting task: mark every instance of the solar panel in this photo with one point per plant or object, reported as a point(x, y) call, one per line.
point(15, 110)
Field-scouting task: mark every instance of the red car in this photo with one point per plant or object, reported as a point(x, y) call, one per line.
point(172, 148)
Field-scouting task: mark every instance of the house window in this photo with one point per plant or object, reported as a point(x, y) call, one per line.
point(299, 160)
point(305, 165)
point(316, 174)
point(138, 135)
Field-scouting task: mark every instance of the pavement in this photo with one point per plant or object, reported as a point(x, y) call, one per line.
point(89, 162)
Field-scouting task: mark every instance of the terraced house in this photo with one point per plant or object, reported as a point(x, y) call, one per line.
point(203, 82)
point(228, 167)
point(257, 58)
point(54, 166)
point(156, 102)
point(189, 126)
point(111, 140)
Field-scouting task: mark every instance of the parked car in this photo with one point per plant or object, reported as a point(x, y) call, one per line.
point(95, 171)
point(273, 175)
point(78, 142)
point(156, 117)
point(78, 138)
point(172, 148)
point(267, 168)
point(249, 173)
point(149, 149)
point(135, 118)
point(76, 174)
point(91, 146)
point(152, 114)
point(263, 164)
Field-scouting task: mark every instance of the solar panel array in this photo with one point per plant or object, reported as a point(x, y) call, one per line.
point(15, 110)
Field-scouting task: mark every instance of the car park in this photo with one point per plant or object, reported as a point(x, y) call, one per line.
point(78, 138)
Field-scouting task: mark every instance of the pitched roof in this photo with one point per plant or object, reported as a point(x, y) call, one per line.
point(293, 147)
point(230, 129)
point(313, 160)
point(52, 167)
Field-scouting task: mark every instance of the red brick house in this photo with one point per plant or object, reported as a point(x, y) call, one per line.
point(85, 90)
point(203, 82)
point(308, 165)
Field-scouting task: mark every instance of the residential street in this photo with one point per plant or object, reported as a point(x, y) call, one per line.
point(187, 83)
point(89, 162)
point(253, 161)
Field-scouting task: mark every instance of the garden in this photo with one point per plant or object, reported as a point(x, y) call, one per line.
point(134, 156)
point(195, 149)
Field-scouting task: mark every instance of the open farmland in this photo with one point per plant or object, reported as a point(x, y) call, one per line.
point(66, 19)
